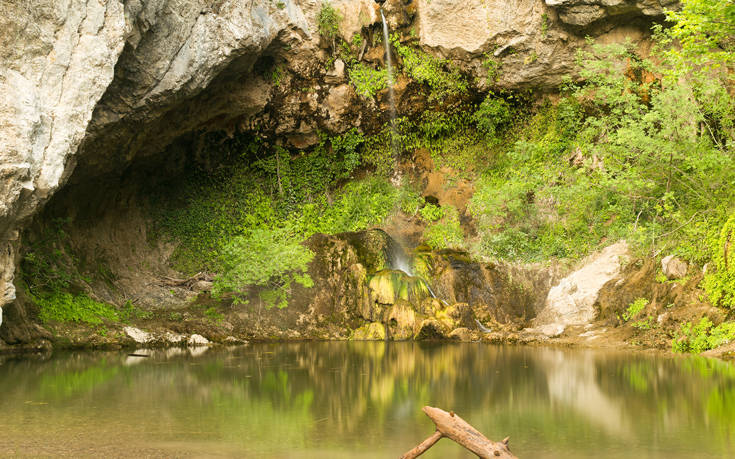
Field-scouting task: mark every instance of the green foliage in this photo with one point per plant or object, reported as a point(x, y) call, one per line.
point(635, 308)
point(431, 212)
point(367, 80)
point(640, 151)
point(492, 113)
point(214, 316)
point(705, 29)
point(702, 336)
point(493, 68)
point(277, 75)
point(720, 284)
point(65, 307)
point(447, 232)
point(442, 78)
point(544, 25)
point(269, 258)
point(328, 21)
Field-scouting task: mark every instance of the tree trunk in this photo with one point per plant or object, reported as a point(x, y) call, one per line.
point(458, 430)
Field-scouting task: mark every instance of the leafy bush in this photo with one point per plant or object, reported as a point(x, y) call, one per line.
point(431, 212)
point(492, 113)
point(367, 80)
point(270, 258)
point(439, 75)
point(635, 308)
point(329, 20)
point(720, 284)
point(65, 307)
point(447, 233)
point(702, 336)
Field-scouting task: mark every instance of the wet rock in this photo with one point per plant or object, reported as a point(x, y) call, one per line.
point(461, 334)
point(401, 319)
point(356, 14)
point(197, 340)
point(138, 335)
point(390, 285)
point(431, 330)
point(674, 268)
point(373, 331)
point(572, 301)
point(456, 315)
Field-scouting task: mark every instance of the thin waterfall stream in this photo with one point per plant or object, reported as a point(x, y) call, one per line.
point(400, 261)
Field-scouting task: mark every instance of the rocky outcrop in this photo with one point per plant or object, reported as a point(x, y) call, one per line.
point(89, 88)
point(572, 301)
point(585, 13)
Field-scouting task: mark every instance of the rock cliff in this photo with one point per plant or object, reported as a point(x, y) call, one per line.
point(88, 88)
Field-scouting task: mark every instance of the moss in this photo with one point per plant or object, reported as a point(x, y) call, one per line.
point(373, 331)
point(391, 285)
point(65, 307)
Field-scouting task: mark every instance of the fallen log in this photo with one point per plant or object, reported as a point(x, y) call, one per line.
point(458, 430)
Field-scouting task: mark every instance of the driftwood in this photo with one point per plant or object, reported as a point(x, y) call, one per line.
point(458, 430)
point(189, 282)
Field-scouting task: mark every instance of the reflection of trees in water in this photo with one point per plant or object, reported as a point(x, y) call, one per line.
point(275, 397)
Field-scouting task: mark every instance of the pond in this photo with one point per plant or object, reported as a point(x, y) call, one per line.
point(363, 400)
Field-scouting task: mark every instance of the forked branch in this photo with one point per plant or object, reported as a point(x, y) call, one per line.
point(458, 430)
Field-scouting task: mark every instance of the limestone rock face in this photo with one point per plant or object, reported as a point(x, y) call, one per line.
point(90, 87)
point(527, 43)
point(583, 13)
point(572, 301)
point(71, 69)
point(56, 60)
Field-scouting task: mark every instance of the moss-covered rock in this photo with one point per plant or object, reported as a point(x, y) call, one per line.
point(456, 315)
point(402, 320)
point(374, 331)
point(390, 285)
point(432, 330)
point(372, 248)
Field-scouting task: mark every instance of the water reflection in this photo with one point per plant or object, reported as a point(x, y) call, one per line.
point(363, 400)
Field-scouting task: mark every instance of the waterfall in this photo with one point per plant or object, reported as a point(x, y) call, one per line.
point(399, 260)
point(391, 81)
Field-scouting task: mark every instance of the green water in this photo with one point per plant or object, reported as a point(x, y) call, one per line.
point(337, 400)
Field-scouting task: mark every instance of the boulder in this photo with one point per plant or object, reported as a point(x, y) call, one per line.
point(197, 340)
point(461, 334)
point(572, 301)
point(674, 268)
point(138, 335)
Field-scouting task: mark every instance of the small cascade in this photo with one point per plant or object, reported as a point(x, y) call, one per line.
point(399, 260)
point(391, 81)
